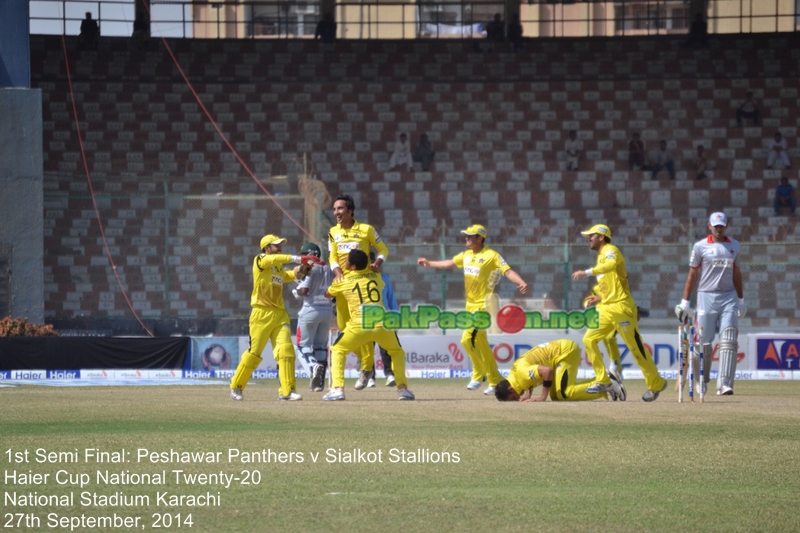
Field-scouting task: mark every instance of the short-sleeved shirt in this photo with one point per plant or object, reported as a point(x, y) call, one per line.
point(359, 288)
point(317, 282)
point(612, 276)
point(715, 262)
point(784, 192)
point(477, 267)
point(524, 372)
point(359, 237)
point(268, 279)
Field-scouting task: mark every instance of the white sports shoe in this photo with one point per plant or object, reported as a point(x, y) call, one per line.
point(363, 380)
point(293, 397)
point(652, 395)
point(237, 394)
point(318, 378)
point(404, 394)
point(489, 391)
point(598, 387)
point(390, 382)
point(472, 385)
point(725, 391)
point(371, 381)
point(334, 395)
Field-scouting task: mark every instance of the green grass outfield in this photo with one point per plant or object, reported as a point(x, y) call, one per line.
point(730, 464)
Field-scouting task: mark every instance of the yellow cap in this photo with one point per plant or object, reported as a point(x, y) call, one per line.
point(601, 229)
point(475, 229)
point(271, 239)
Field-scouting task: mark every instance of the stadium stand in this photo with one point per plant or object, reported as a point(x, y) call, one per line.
point(168, 187)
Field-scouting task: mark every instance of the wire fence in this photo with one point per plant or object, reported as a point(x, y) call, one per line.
point(189, 255)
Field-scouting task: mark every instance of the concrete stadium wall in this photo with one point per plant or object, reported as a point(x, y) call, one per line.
point(21, 206)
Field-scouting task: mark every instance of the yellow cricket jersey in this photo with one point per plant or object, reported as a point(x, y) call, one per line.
point(477, 268)
point(359, 287)
point(359, 237)
point(524, 372)
point(612, 276)
point(268, 279)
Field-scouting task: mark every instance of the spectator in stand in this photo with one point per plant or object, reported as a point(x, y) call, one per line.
point(326, 29)
point(496, 30)
point(424, 153)
point(748, 109)
point(402, 154)
point(515, 32)
point(141, 30)
point(700, 163)
point(636, 153)
point(662, 159)
point(90, 33)
point(572, 150)
point(784, 196)
point(777, 151)
point(698, 33)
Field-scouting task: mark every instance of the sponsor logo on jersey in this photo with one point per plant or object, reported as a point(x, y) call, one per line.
point(277, 280)
point(472, 271)
point(347, 246)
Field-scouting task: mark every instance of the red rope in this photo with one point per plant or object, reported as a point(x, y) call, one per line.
point(219, 131)
point(91, 190)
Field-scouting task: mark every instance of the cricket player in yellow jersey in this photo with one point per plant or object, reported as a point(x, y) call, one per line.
point(610, 342)
point(617, 311)
point(349, 234)
point(555, 366)
point(269, 320)
point(360, 287)
point(478, 262)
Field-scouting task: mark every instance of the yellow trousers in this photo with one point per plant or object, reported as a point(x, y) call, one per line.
point(476, 343)
point(354, 337)
point(565, 385)
point(621, 317)
point(268, 325)
point(366, 353)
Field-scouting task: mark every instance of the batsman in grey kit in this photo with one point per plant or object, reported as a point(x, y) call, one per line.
point(314, 319)
point(720, 300)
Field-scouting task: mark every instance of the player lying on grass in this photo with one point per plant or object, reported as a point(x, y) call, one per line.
point(555, 366)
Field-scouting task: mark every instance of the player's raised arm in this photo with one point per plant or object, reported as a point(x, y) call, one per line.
point(445, 264)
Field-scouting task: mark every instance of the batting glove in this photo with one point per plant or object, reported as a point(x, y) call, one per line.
point(742, 308)
point(302, 271)
point(683, 311)
point(310, 260)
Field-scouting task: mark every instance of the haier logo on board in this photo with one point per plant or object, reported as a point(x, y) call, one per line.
point(197, 373)
point(783, 354)
point(28, 374)
point(63, 374)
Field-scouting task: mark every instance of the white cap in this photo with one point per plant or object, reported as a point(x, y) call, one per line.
point(718, 219)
